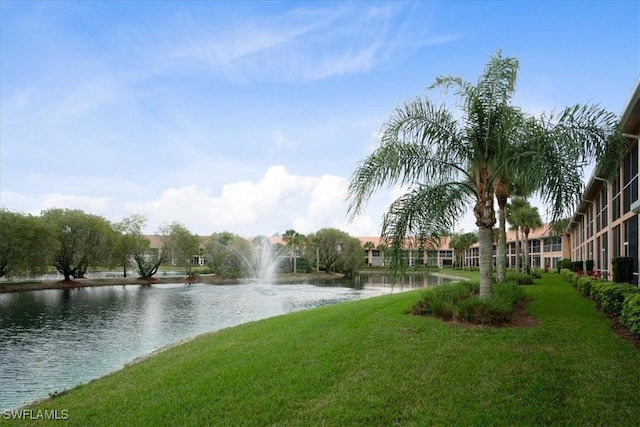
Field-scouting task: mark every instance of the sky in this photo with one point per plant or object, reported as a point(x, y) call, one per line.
point(250, 117)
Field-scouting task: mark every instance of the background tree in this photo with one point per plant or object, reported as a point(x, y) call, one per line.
point(180, 244)
point(83, 240)
point(513, 218)
point(167, 250)
point(529, 220)
point(129, 240)
point(27, 245)
point(336, 250)
point(461, 243)
point(452, 160)
point(224, 253)
point(293, 241)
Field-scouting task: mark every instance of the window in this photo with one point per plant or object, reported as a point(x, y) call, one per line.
point(631, 243)
point(605, 252)
point(598, 214)
point(616, 197)
point(630, 168)
point(616, 241)
point(534, 246)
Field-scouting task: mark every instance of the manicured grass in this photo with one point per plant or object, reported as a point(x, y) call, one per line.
point(370, 363)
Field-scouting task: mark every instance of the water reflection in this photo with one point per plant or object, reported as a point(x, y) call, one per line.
point(51, 340)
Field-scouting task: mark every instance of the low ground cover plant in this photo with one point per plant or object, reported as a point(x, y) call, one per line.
point(460, 302)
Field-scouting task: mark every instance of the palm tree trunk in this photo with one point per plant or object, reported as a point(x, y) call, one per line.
point(527, 263)
point(501, 253)
point(502, 196)
point(517, 243)
point(485, 238)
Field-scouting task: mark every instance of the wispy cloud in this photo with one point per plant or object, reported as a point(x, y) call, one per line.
point(302, 44)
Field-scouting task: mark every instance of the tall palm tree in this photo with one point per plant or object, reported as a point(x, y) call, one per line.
point(513, 210)
point(506, 187)
point(523, 217)
point(529, 220)
point(461, 243)
point(452, 161)
point(293, 241)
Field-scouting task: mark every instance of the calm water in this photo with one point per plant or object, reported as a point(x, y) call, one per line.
point(51, 340)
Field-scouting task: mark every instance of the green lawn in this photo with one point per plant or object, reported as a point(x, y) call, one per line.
point(369, 363)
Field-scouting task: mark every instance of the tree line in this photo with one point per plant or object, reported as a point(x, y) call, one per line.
point(72, 241)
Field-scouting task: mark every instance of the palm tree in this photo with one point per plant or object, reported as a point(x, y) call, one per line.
point(293, 240)
point(450, 161)
point(513, 210)
point(529, 219)
point(522, 216)
point(461, 243)
point(368, 246)
point(504, 188)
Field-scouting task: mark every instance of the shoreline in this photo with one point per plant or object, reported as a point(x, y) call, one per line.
point(35, 285)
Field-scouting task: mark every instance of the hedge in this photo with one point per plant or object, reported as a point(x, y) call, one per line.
point(631, 314)
point(611, 296)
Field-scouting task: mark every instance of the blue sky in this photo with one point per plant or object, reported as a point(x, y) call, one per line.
point(251, 116)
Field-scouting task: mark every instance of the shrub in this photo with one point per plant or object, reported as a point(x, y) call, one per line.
point(566, 274)
point(577, 266)
point(583, 284)
point(482, 311)
point(631, 313)
point(520, 278)
point(508, 292)
point(459, 301)
point(440, 300)
point(611, 296)
point(589, 265)
point(623, 269)
point(564, 263)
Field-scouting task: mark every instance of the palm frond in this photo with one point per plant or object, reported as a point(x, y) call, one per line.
point(423, 216)
point(419, 145)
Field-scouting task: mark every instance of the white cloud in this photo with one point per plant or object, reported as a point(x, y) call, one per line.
point(277, 201)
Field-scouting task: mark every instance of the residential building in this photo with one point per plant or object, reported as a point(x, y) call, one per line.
point(605, 224)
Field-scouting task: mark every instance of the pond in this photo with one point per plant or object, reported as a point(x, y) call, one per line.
point(51, 340)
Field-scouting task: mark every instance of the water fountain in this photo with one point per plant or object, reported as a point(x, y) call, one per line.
point(263, 260)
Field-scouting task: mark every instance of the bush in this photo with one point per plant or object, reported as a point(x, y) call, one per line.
point(508, 292)
point(577, 266)
point(589, 265)
point(611, 296)
point(564, 263)
point(520, 278)
point(440, 300)
point(631, 314)
point(566, 274)
point(583, 285)
point(459, 301)
point(623, 270)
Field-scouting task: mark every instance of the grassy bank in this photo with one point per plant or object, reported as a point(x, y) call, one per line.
point(370, 363)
